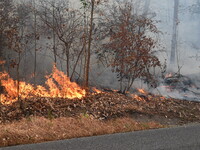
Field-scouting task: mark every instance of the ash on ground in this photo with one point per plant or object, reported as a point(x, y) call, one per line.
point(178, 86)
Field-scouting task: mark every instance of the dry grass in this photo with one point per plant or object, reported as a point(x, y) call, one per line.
point(39, 129)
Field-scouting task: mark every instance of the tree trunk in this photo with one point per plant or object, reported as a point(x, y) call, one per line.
point(146, 8)
point(89, 46)
point(174, 34)
point(76, 63)
point(67, 59)
point(18, 79)
point(85, 47)
point(54, 36)
point(35, 43)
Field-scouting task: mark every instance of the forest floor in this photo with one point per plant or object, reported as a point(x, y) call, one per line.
point(45, 119)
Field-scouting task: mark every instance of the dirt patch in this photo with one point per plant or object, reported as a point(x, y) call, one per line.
point(141, 117)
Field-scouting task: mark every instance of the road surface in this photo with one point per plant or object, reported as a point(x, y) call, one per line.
point(178, 138)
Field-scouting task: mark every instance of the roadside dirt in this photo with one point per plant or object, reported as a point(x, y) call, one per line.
point(143, 118)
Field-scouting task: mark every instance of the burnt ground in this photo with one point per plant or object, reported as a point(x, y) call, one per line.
point(106, 106)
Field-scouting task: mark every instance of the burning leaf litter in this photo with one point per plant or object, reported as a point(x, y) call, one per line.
point(62, 98)
point(102, 106)
point(59, 86)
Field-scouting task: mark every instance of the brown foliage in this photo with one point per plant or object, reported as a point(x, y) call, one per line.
point(102, 106)
point(131, 46)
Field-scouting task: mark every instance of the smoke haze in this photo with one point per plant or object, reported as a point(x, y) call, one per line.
point(188, 45)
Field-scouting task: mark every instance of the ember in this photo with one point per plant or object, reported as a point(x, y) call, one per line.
point(141, 96)
point(2, 62)
point(96, 90)
point(142, 91)
point(59, 85)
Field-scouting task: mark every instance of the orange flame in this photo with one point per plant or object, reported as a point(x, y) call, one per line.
point(96, 90)
point(2, 62)
point(137, 97)
point(142, 91)
point(59, 85)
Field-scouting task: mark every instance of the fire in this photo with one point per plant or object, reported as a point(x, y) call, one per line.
point(138, 97)
point(169, 75)
point(142, 91)
point(2, 62)
point(57, 83)
point(96, 90)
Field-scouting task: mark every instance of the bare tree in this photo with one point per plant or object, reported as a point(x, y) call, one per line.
point(36, 36)
point(7, 22)
point(89, 45)
point(92, 5)
point(67, 28)
point(47, 13)
point(17, 41)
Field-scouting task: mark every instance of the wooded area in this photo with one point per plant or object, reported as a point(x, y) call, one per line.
point(73, 68)
point(118, 36)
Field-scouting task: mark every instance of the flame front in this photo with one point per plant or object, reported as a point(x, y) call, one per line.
point(138, 97)
point(58, 85)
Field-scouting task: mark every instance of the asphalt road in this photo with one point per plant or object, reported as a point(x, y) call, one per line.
point(179, 138)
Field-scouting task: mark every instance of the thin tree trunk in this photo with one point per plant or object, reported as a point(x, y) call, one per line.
point(89, 46)
point(84, 46)
point(54, 36)
point(35, 43)
point(67, 61)
point(130, 84)
point(77, 60)
point(80, 70)
point(146, 8)
point(174, 34)
point(18, 79)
